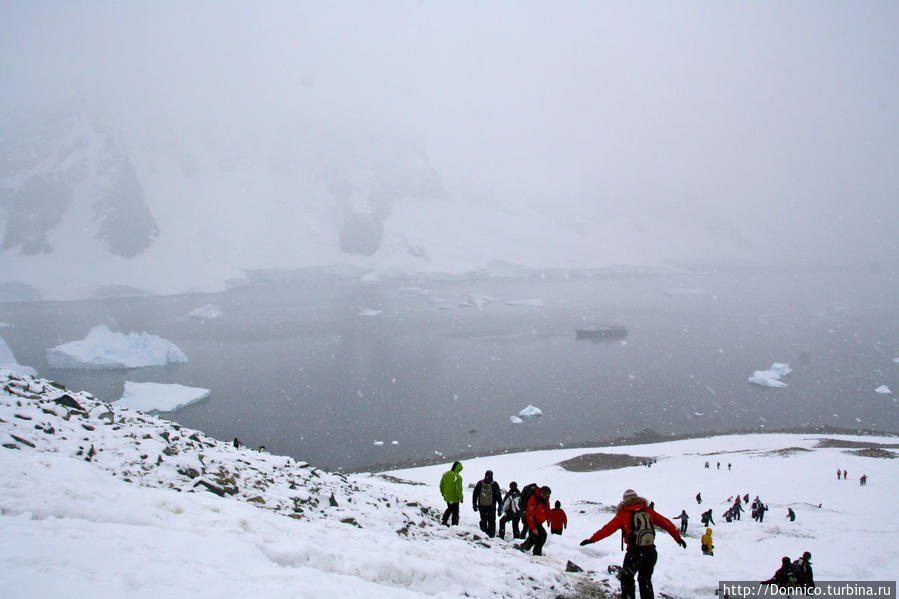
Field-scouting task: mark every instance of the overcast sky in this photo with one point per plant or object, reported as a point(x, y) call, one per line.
point(779, 111)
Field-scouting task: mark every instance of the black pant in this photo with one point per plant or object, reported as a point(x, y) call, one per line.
point(452, 509)
point(535, 540)
point(640, 561)
point(488, 519)
point(683, 527)
point(515, 519)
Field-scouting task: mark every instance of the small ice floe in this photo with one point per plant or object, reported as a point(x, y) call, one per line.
point(685, 291)
point(526, 303)
point(413, 290)
point(369, 312)
point(377, 443)
point(515, 420)
point(698, 414)
point(394, 442)
point(160, 397)
point(207, 312)
point(477, 301)
point(530, 412)
point(896, 360)
point(883, 389)
point(6, 325)
point(103, 349)
point(772, 376)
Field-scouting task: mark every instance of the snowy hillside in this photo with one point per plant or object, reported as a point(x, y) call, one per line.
point(103, 501)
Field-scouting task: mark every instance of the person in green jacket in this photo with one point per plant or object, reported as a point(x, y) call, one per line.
point(451, 489)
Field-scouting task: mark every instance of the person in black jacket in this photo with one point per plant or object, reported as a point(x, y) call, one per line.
point(486, 500)
point(803, 568)
point(785, 577)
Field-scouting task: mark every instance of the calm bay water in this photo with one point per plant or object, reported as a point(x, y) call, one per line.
point(304, 370)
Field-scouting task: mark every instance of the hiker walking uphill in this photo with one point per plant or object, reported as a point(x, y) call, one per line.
point(683, 521)
point(706, 517)
point(511, 512)
point(557, 519)
point(786, 577)
point(708, 547)
point(803, 568)
point(486, 499)
point(451, 489)
point(636, 522)
point(536, 512)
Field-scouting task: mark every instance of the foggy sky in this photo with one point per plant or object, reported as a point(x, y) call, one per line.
point(780, 115)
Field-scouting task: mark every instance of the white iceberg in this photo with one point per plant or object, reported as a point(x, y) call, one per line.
point(477, 301)
point(772, 376)
point(102, 349)
point(160, 397)
point(884, 390)
point(207, 312)
point(8, 361)
point(515, 420)
point(526, 303)
point(530, 412)
point(369, 312)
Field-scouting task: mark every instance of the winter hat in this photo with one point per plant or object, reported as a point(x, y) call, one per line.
point(488, 475)
point(558, 504)
point(513, 485)
point(807, 556)
point(629, 494)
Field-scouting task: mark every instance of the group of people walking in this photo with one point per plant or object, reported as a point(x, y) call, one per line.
point(528, 506)
point(529, 513)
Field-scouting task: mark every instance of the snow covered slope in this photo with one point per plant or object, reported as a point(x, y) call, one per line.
point(104, 501)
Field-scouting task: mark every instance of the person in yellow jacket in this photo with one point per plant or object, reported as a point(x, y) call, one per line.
point(451, 489)
point(707, 546)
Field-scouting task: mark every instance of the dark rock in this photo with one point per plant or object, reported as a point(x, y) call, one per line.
point(573, 567)
point(68, 401)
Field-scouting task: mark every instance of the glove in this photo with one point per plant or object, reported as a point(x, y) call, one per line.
point(474, 507)
point(586, 542)
point(682, 543)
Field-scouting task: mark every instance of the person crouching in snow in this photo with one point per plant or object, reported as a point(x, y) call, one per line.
point(707, 546)
point(636, 522)
point(557, 519)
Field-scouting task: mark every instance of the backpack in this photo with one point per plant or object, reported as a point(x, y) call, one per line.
point(642, 532)
point(526, 493)
point(511, 503)
point(799, 572)
point(485, 497)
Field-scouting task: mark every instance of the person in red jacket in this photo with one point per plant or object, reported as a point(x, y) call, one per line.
point(535, 514)
point(636, 522)
point(557, 519)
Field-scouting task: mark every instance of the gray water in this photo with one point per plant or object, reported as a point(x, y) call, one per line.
point(296, 368)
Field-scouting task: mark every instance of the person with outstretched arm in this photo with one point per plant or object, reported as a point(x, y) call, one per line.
point(637, 523)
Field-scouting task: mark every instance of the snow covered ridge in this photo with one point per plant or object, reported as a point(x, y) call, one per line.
point(237, 516)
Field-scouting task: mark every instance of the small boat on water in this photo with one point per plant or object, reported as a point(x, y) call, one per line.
point(603, 333)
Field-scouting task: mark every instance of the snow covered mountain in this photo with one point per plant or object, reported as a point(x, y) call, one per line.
point(103, 501)
point(95, 204)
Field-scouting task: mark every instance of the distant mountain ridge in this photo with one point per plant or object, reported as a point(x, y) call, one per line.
point(91, 202)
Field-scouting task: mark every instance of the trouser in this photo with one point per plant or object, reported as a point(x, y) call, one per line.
point(683, 528)
point(515, 519)
point(452, 509)
point(488, 519)
point(640, 561)
point(535, 539)
point(555, 531)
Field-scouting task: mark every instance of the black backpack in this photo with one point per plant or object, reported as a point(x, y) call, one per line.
point(526, 493)
point(642, 532)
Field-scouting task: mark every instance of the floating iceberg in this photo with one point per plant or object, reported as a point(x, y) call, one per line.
point(526, 303)
point(772, 376)
point(530, 412)
point(477, 301)
point(159, 397)
point(207, 312)
point(102, 349)
point(369, 312)
point(8, 361)
point(515, 420)
point(884, 390)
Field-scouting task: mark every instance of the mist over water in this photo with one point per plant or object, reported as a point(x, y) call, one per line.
point(298, 368)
